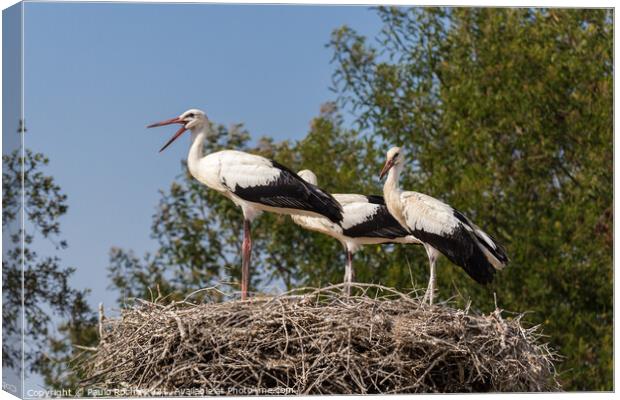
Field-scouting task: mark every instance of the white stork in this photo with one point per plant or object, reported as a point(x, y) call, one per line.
point(366, 220)
point(252, 182)
point(441, 228)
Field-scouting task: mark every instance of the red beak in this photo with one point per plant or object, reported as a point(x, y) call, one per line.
point(388, 164)
point(171, 121)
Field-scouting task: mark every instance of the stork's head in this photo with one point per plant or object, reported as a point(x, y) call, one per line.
point(192, 119)
point(395, 158)
point(308, 176)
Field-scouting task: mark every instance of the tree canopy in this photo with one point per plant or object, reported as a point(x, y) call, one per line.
point(54, 313)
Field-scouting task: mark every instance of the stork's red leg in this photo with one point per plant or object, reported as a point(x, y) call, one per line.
point(246, 255)
point(348, 274)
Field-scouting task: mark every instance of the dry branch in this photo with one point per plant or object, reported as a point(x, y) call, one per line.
point(318, 341)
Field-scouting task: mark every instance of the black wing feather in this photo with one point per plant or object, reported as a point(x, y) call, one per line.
point(288, 190)
point(460, 248)
point(380, 225)
point(375, 199)
point(498, 252)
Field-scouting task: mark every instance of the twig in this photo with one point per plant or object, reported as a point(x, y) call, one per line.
point(315, 341)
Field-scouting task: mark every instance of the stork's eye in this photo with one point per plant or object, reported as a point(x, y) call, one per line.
point(395, 155)
point(190, 115)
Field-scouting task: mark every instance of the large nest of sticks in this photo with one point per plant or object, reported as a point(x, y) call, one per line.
point(317, 341)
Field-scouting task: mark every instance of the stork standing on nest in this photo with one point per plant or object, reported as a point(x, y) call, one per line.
point(252, 182)
point(366, 220)
point(441, 228)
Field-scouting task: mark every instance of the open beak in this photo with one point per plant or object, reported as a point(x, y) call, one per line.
point(171, 121)
point(388, 164)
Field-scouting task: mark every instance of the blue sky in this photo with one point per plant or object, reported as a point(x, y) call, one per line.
point(96, 74)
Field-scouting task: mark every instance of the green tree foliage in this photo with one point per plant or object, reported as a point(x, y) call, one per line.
point(47, 297)
point(507, 115)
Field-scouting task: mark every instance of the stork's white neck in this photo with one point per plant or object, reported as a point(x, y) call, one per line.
point(196, 148)
point(391, 193)
point(392, 184)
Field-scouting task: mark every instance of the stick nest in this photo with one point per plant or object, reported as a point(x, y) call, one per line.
point(318, 341)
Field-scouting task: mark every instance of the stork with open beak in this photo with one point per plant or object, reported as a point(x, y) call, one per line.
point(253, 183)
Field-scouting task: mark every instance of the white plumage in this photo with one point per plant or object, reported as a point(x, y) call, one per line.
point(230, 168)
point(366, 220)
point(441, 228)
point(425, 212)
point(252, 182)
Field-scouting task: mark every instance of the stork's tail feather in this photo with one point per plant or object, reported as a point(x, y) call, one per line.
point(314, 199)
point(479, 267)
point(326, 204)
point(464, 248)
point(492, 249)
point(487, 257)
